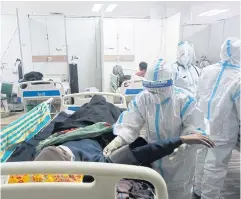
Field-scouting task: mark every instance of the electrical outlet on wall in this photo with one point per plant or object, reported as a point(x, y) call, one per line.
point(49, 59)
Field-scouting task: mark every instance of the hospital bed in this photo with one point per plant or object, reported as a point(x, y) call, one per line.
point(114, 79)
point(63, 79)
point(130, 88)
point(105, 178)
point(35, 92)
point(105, 175)
point(73, 102)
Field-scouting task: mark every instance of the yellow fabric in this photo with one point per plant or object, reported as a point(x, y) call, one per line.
point(26, 129)
point(26, 178)
point(23, 129)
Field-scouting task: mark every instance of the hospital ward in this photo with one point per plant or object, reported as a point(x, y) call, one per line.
point(120, 99)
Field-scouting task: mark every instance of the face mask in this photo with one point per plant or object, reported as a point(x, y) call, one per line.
point(184, 60)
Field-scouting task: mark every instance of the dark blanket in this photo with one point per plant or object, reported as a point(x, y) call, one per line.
point(33, 76)
point(97, 110)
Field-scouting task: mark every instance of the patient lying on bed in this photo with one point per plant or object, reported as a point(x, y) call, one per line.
point(136, 153)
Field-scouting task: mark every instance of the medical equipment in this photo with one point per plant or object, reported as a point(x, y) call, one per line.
point(105, 178)
point(79, 99)
point(35, 92)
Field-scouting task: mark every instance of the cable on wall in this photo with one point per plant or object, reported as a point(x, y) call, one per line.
point(9, 43)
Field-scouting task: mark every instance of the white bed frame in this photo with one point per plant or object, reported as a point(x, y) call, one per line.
point(130, 88)
point(106, 176)
point(63, 79)
point(40, 91)
point(84, 97)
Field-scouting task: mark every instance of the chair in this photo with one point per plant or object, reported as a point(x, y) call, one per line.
point(7, 89)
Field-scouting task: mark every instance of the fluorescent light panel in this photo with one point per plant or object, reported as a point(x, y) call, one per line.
point(97, 7)
point(213, 12)
point(218, 12)
point(110, 7)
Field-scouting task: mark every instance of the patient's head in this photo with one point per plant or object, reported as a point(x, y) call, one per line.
point(142, 66)
point(52, 153)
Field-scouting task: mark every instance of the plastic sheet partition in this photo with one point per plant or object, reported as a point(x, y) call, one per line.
point(105, 178)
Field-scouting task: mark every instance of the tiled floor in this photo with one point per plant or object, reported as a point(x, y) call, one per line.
point(231, 188)
point(8, 120)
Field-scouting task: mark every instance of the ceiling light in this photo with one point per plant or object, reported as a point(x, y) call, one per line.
point(218, 12)
point(213, 12)
point(97, 7)
point(206, 13)
point(110, 7)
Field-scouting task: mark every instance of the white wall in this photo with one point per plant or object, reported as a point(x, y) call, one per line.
point(199, 36)
point(10, 47)
point(83, 38)
point(171, 30)
point(47, 36)
point(207, 38)
point(138, 37)
point(25, 41)
point(220, 31)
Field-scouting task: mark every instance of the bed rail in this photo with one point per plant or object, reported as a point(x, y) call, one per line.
point(105, 178)
point(75, 101)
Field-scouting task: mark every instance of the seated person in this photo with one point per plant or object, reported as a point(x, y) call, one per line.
point(142, 69)
point(118, 71)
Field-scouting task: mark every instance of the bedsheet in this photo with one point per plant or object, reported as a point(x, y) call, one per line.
point(23, 129)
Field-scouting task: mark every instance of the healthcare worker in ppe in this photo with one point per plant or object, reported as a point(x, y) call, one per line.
point(219, 97)
point(165, 112)
point(185, 73)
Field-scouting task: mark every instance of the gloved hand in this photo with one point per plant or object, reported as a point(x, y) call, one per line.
point(113, 145)
point(196, 138)
point(178, 151)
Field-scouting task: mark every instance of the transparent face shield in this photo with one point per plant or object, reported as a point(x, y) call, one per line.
point(185, 53)
point(159, 82)
point(158, 78)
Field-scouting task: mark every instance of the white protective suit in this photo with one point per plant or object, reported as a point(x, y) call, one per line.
point(166, 112)
point(186, 75)
point(219, 97)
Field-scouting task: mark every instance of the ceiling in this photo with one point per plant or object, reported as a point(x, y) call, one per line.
point(189, 9)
